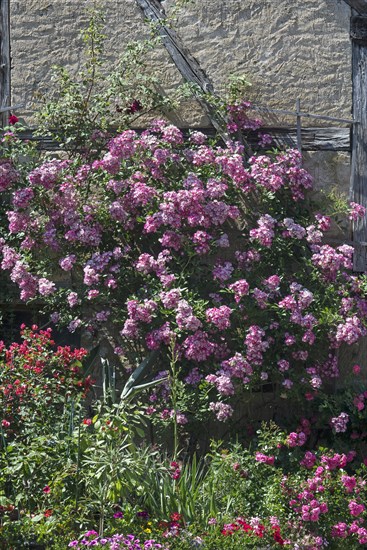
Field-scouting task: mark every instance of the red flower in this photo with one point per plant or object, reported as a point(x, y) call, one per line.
point(229, 529)
point(245, 526)
point(47, 489)
point(277, 536)
point(48, 513)
point(135, 107)
point(13, 119)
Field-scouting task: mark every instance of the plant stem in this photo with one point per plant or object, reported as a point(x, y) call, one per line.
point(174, 386)
point(78, 464)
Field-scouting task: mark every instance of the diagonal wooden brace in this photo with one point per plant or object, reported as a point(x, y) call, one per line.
point(187, 65)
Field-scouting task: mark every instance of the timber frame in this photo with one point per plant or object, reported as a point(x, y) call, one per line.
point(313, 139)
point(360, 6)
point(358, 34)
point(4, 60)
point(358, 183)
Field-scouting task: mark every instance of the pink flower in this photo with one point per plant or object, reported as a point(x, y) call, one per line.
point(296, 439)
point(260, 457)
point(219, 316)
point(355, 508)
point(185, 318)
point(223, 272)
point(46, 489)
point(181, 418)
point(46, 287)
point(240, 288)
point(223, 383)
point(198, 347)
point(356, 211)
point(264, 233)
point(223, 410)
point(340, 530)
point(264, 139)
point(67, 263)
point(349, 483)
point(74, 324)
point(339, 423)
point(356, 369)
point(308, 460)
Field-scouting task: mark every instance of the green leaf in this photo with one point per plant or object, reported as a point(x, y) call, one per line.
point(140, 372)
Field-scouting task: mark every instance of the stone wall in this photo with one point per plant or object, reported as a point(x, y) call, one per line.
point(288, 49)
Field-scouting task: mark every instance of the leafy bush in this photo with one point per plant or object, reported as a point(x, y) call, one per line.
point(167, 242)
point(208, 271)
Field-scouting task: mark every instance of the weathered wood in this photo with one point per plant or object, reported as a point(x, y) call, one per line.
point(4, 59)
point(359, 151)
point(358, 29)
point(11, 107)
point(359, 5)
point(187, 65)
point(313, 139)
point(301, 114)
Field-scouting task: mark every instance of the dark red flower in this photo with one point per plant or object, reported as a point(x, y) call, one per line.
point(245, 526)
point(277, 536)
point(135, 107)
point(13, 119)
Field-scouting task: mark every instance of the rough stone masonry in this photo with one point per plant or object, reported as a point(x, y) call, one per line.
point(288, 49)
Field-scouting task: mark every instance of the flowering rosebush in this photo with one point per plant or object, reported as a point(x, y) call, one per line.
point(41, 389)
point(37, 379)
point(165, 240)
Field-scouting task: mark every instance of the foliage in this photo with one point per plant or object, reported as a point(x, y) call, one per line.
point(275, 495)
point(207, 270)
point(83, 109)
point(163, 240)
point(181, 245)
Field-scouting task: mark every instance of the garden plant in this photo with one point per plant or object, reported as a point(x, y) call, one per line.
point(206, 270)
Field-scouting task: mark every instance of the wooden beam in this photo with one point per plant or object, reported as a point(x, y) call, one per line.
point(187, 65)
point(359, 150)
point(4, 60)
point(359, 5)
point(313, 139)
point(358, 29)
